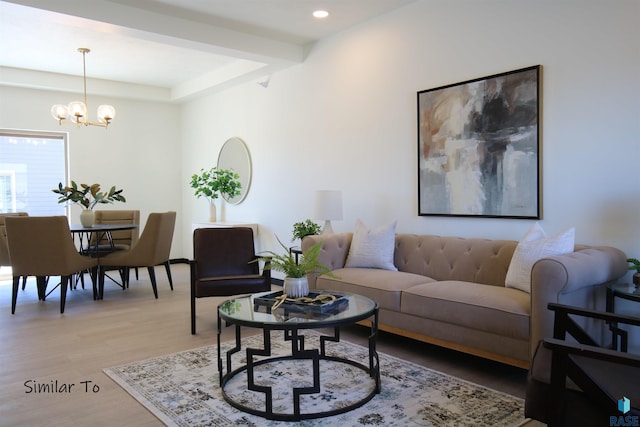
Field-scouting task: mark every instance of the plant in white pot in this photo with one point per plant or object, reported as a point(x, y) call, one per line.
point(87, 196)
point(214, 183)
point(296, 284)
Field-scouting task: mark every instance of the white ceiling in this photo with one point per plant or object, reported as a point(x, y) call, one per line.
point(184, 46)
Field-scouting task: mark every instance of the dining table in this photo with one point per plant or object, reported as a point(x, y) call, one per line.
point(96, 233)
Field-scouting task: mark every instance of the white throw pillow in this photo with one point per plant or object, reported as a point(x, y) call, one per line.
point(372, 248)
point(533, 246)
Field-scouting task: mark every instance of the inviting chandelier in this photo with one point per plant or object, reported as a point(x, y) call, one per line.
point(76, 111)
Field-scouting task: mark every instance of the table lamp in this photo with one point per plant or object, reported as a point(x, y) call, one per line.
point(328, 206)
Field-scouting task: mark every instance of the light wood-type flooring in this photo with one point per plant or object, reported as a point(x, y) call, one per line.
point(40, 345)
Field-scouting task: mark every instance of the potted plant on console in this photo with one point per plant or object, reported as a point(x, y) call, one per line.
point(296, 284)
point(213, 183)
point(87, 197)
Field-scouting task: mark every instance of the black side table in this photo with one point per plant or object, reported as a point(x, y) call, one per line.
point(625, 291)
point(297, 251)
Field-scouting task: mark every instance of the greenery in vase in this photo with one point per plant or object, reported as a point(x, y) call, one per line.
point(635, 264)
point(286, 263)
point(305, 228)
point(213, 182)
point(87, 196)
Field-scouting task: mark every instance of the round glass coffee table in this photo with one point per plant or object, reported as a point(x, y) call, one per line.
point(291, 317)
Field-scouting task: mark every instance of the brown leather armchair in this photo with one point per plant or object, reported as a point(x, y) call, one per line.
point(224, 263)
point(575, 382)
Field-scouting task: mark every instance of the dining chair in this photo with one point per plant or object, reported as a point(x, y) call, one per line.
point(5, 260)
point(224, 263)
point(42, 246)
point(152, 248)
point(120, 239)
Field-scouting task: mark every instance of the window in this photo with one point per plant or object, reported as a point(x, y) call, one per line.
point(31, 165)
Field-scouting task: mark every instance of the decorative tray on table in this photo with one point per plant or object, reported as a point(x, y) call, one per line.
point(314, 303)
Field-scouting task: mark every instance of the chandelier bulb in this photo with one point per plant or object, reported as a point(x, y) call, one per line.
point(59, 112)
point(106, 113)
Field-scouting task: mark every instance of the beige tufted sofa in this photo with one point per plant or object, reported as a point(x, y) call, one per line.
point(451, 292)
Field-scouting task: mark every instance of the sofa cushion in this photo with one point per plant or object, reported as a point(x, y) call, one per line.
point(372, 248)
point(455, 258)
point(529, 251)
point(382, 286)
point(493, 309)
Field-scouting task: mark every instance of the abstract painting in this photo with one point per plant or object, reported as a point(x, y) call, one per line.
point(478, 147)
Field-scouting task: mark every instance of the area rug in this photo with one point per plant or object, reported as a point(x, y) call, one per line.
point(182, 389)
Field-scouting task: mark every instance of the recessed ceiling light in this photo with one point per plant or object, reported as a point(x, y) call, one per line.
point(320, 14)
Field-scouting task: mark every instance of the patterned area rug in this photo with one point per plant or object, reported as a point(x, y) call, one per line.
point(182, 389)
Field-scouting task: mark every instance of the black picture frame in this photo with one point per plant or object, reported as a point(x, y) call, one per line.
point(479, 147)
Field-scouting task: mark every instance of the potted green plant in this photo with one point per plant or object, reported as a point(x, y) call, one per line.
point(213, 183)
point(296, 284)
point(635, 265)
point(305, 228)
point(87, 196)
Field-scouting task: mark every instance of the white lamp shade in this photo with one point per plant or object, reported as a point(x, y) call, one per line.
point(59, 112)
point(106, 113)
point(77, 109)
point(328, 205)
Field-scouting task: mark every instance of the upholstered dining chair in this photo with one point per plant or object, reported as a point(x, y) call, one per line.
point(152, 248)
point(223, 264)
point(573, 381)
point(120, 239)
point(42, 246)
point(5, 260)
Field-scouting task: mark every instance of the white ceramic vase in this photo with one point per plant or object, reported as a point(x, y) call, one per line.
point(87, 218)
point(212, 212)
point(296, 287)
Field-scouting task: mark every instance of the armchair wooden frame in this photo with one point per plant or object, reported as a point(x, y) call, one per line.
point(568, 363)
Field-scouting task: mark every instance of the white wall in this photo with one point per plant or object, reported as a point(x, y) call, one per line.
point(346, 118)
point(139, 152)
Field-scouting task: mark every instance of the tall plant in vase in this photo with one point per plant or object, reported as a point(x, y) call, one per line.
point(213, 183)
point(87, 196)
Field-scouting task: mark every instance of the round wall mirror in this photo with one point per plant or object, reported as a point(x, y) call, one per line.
point(234, 155)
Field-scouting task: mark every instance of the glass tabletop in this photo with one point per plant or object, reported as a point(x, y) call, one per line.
point(256, 310)
point(626, 290)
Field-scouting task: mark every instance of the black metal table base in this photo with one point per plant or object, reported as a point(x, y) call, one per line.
point(298, 352)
